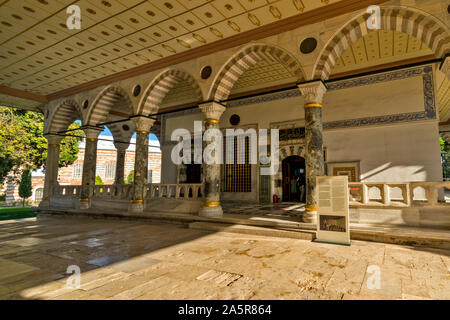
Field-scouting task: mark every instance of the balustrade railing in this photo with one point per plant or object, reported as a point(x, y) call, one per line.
point(113, 191)
point(404, 194)
point(175, 191)
point(61, 190)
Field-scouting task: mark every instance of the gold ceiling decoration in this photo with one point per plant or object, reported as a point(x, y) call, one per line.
point(380, 47)
point(39, 54)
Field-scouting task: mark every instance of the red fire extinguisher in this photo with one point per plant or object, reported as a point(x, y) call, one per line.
point(275, 198)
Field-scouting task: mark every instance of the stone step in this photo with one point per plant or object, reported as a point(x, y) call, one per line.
point(252, 230)
point(403, 236)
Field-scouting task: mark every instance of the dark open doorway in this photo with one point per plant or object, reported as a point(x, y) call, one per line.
point(294, 179)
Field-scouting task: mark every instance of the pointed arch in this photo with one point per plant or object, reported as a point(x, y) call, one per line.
point(244, 60)
point(103, 103)
point(418, 24)
point(161, 85)
point(66, 112)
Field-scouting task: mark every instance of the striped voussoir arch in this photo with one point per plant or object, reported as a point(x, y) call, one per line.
point(159, 88)
point(104, 102)
point(246, 59)
point(66, 112)
point(416, 24)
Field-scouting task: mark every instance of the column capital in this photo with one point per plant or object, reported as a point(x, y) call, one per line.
point(313, 91)
point(92, 132)
point(212, 110)
point(445, 66)
point(143, 124)
point(121, 146)
point(53, 138)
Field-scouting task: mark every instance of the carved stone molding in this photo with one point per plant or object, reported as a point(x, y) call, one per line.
point(143, 123)
point(313, 91)
point(212, 110)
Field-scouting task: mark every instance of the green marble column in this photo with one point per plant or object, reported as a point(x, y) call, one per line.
point(89, 167)
point(313, 94)
point(143, 126)
point(120, 162)
point(51, 168)
point(211, 172)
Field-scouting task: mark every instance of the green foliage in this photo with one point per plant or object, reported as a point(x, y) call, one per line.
point(23, 145)
point(25, 185)
point(445, 157)
point(98, 180)
point(16, 213)
point(130, 178)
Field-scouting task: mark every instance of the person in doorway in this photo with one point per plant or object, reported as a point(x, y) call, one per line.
point(301, 187)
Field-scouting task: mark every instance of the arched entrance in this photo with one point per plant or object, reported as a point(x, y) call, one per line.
point(294, 179)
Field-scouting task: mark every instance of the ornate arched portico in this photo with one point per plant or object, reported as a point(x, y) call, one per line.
point(160, 87)
point(245, 59)
point(418, 24)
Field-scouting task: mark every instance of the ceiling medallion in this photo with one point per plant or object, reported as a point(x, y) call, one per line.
point(199, 38)
point(308, 45)
point(85, 104)
point(125, 127)
point(206, 72)
point(235, 119)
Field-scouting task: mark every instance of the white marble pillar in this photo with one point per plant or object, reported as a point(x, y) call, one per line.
point(211, 172)
point(89, 166)
point(143, 126)
point(121, 148)
point(313, 94)
point(51, 168)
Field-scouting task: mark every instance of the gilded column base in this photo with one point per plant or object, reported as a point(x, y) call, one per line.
point(310, 215)
point(136, 206)
point(211, 209)
point(84, 204)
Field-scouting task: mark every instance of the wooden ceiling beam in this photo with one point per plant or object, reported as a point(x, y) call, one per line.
point(23, 94)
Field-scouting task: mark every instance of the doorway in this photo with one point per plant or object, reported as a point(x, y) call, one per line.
point(294, 179)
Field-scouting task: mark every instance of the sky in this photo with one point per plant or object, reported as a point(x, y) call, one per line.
point(108, 133)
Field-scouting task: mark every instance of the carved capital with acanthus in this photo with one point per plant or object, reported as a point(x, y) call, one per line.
point(212, 110)
point(313, 91)
point(121, 146)
point(92, 133)
point(53, 139)
point(143, 124)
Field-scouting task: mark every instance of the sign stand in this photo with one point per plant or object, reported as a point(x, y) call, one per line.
point(333, 210)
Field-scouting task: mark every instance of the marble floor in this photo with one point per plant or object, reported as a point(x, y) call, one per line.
point(282, 209)
point(126, 259)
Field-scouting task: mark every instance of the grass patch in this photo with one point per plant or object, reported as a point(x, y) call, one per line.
point(17, 213)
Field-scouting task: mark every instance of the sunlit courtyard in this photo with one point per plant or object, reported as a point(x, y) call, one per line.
point(124, 259)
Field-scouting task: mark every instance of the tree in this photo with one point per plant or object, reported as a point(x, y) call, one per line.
point(445, 157)
point(25, 185)
point(23, 145)
point(130, 178)
point(98, 180)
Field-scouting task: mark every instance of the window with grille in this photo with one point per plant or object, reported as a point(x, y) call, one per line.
point(236, 177)
point(77, 170)
point(38, 194)
point(110, 170)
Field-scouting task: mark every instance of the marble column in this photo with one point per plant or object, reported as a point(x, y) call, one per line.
point(89, 166)
point(313, 94)
point(120, 162)
point(143, 126)
point(51, 168)
point(211, 172)
point(445, 67)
